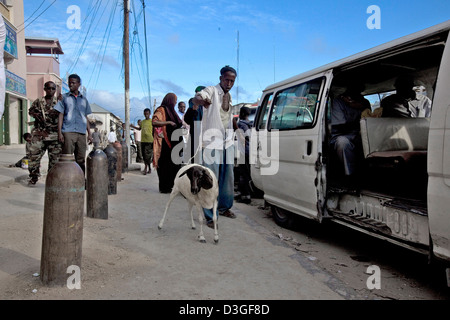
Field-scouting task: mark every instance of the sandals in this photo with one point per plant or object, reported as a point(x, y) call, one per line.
point(228, 214)
point(210, 224)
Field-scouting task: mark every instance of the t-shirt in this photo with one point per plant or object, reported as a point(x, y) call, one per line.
point(96, 137)
point(75, 109)
point(147, 131)
point(137, 135)
point(112, 137)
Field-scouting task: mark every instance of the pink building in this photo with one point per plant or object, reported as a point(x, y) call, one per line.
point(42, 65)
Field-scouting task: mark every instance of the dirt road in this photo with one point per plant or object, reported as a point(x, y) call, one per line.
point(127, 257)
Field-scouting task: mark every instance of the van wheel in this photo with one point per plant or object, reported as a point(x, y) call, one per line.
point(283, 218)
point(133, 150)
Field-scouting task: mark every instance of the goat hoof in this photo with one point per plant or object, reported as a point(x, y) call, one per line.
point(202, 240)
point(216, 240)
point(193, 228)
point(159, 228)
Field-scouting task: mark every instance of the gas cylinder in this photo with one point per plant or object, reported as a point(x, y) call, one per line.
point(118, 148)
point(63, 220)
point(97, 181)
point(124, 156)
point(111, 154)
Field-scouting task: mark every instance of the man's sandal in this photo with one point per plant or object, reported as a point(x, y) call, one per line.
point(228, 214)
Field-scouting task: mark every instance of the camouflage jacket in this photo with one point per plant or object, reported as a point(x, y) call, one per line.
point(46, 119)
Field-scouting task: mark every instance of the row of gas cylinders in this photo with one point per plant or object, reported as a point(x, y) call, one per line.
point(65, 189)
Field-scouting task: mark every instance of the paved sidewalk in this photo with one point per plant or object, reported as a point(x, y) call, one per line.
point(9, 155)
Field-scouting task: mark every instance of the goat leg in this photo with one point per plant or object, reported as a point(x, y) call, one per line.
point(201, 237)
point(216, 233)
point(191, 211)
point(172, 196)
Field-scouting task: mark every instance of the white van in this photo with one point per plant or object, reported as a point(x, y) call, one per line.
point(405, 176)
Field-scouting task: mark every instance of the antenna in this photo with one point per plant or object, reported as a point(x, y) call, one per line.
point(274, 62)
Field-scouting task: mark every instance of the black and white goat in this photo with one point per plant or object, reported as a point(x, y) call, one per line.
point(199, 186)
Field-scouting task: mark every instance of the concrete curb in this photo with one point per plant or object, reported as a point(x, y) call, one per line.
point(5, 181)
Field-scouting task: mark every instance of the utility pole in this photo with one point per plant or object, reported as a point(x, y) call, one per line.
point(237, 84)
point(126, 59)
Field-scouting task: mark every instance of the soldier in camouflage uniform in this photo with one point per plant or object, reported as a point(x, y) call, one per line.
point(44, 133)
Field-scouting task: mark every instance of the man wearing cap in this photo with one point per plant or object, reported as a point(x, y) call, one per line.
point(406, 103)
point(217, 138)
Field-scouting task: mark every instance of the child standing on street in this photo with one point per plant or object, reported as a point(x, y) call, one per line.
point(146, 128)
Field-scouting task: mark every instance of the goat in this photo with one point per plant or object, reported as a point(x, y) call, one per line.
point(199, 186)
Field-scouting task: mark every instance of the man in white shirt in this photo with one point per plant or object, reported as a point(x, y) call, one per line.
point(112, 137)
point(217, 139)
point(137, 139)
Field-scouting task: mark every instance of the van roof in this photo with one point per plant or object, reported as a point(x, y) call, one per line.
point(405, 40)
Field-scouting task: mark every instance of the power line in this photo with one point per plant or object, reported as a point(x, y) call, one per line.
point(82, 45)
point(146, 56)
point(31, 14)
point(37, 16)
point(109, 26)
point(136, 49)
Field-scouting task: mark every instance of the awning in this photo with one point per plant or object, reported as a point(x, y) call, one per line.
point(94, 118)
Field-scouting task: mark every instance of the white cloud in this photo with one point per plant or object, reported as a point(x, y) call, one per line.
point(168, 86)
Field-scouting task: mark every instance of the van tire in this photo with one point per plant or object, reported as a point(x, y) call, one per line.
point(283, 218)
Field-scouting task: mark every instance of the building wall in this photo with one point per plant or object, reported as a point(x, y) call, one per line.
point(14, 122)
point(19, 66)
point(35, 84)
point(42, 64)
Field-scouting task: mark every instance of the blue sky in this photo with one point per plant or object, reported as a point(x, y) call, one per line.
point(189, 41)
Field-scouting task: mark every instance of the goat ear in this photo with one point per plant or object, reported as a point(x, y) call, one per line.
point(188, 172)
point(207, 181)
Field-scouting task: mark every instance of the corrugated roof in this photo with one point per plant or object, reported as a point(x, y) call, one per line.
point(97, 109)
point(41, 45)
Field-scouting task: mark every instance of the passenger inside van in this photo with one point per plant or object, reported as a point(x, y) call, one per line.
point(406, 103)
point(345, 130)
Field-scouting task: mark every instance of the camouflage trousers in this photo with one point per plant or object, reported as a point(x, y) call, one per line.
point(37, 151)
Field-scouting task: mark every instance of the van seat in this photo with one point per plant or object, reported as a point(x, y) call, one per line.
point(404, 138)
point(395, 151)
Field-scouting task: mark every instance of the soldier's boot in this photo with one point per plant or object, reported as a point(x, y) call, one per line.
point(34, 177)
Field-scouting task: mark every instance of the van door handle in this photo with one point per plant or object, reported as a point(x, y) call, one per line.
point(309, 145)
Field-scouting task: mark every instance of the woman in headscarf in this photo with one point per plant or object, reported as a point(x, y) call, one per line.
point(165, 122)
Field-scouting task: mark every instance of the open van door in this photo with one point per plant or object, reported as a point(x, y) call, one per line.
point(289, 133)
point(439, 162)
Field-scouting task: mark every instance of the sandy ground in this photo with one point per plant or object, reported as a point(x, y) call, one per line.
point(127, 257)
